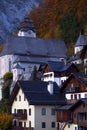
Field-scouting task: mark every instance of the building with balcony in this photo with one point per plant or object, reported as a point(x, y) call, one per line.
point(75, 87)
point(33, 105)
point(73, 116)
point(56, 71)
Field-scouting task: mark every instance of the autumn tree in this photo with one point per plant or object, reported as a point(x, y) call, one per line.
point(5, 121)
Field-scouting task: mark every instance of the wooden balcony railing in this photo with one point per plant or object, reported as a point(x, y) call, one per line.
point(22, 116)
point(21, 128)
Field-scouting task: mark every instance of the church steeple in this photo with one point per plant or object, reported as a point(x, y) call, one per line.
point(27, 28)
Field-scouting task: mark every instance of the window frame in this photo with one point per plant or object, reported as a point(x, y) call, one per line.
point(43, 111)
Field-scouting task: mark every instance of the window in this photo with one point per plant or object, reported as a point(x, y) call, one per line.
point(79, 96)
point(52, 111)
point(85, 95)
point(29, 111)
point(75, 96)
point(25, 111)
point(76, 128)
point(43, 125)
point(71, 96)
point(19, 98)
point(68, 125)
point(24, 98)
point(53, 125)
point(29, 124)
point(20, 124)
point(82, 116)
point(43, 111)
point(24, 124)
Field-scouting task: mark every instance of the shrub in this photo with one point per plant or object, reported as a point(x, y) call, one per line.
point(7, 76)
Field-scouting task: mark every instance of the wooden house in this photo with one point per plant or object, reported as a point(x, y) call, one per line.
point(57, 71)
point(75, 87)
point(73, 115)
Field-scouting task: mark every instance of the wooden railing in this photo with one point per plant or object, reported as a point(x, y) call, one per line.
point(21, 128)
point(22, 116)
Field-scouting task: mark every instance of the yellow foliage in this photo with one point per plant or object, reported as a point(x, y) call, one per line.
point(5, 120)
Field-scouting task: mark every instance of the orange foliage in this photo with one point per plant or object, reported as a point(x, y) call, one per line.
point(48, 15)
point(5, 120)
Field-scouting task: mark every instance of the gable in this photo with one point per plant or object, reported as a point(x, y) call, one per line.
point(60, 68)
point(37, 93)
point(75, 83)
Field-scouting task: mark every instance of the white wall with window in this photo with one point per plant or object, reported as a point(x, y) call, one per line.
point(50, 77)
point(38, 116)
point(77, 96)
point(46, 116)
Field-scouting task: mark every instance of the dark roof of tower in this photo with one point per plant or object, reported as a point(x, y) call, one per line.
point(26, 25)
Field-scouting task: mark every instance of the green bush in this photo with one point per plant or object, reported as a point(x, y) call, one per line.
point(7, 76)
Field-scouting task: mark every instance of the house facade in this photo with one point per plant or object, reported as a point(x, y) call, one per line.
point(33, 105)
point(75, 87)
point(73, 115)
point(58, 71)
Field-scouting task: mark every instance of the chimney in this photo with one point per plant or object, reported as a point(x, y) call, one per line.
point(50, 87)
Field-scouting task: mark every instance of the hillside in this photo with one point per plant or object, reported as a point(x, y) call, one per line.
point(12, 12)
point(64, 19)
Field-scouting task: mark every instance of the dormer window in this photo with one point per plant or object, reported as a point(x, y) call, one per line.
point(19, 98)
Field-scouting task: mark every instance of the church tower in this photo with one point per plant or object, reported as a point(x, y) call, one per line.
point(27, 28)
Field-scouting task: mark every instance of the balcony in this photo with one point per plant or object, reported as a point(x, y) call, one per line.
point(72, 90)
point(21, 115)
point(21, 128)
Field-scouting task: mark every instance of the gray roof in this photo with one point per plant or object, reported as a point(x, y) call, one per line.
point(65, 107)
point(59, 66)
point(81, 41)
point(33, 59)
point(72, 106)
point(35, 47)
point(37, 93)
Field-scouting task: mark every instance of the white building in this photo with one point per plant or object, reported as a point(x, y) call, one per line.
point(57, 71)
point(80, 43)
point(33, 105)
point(27, 51)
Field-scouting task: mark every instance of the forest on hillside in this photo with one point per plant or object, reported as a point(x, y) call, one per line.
point(61, 19)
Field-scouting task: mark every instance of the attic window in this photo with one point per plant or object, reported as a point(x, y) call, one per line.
point(24, 98)
point(19, 98)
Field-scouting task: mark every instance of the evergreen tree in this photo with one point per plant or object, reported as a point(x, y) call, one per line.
point(71, 27)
